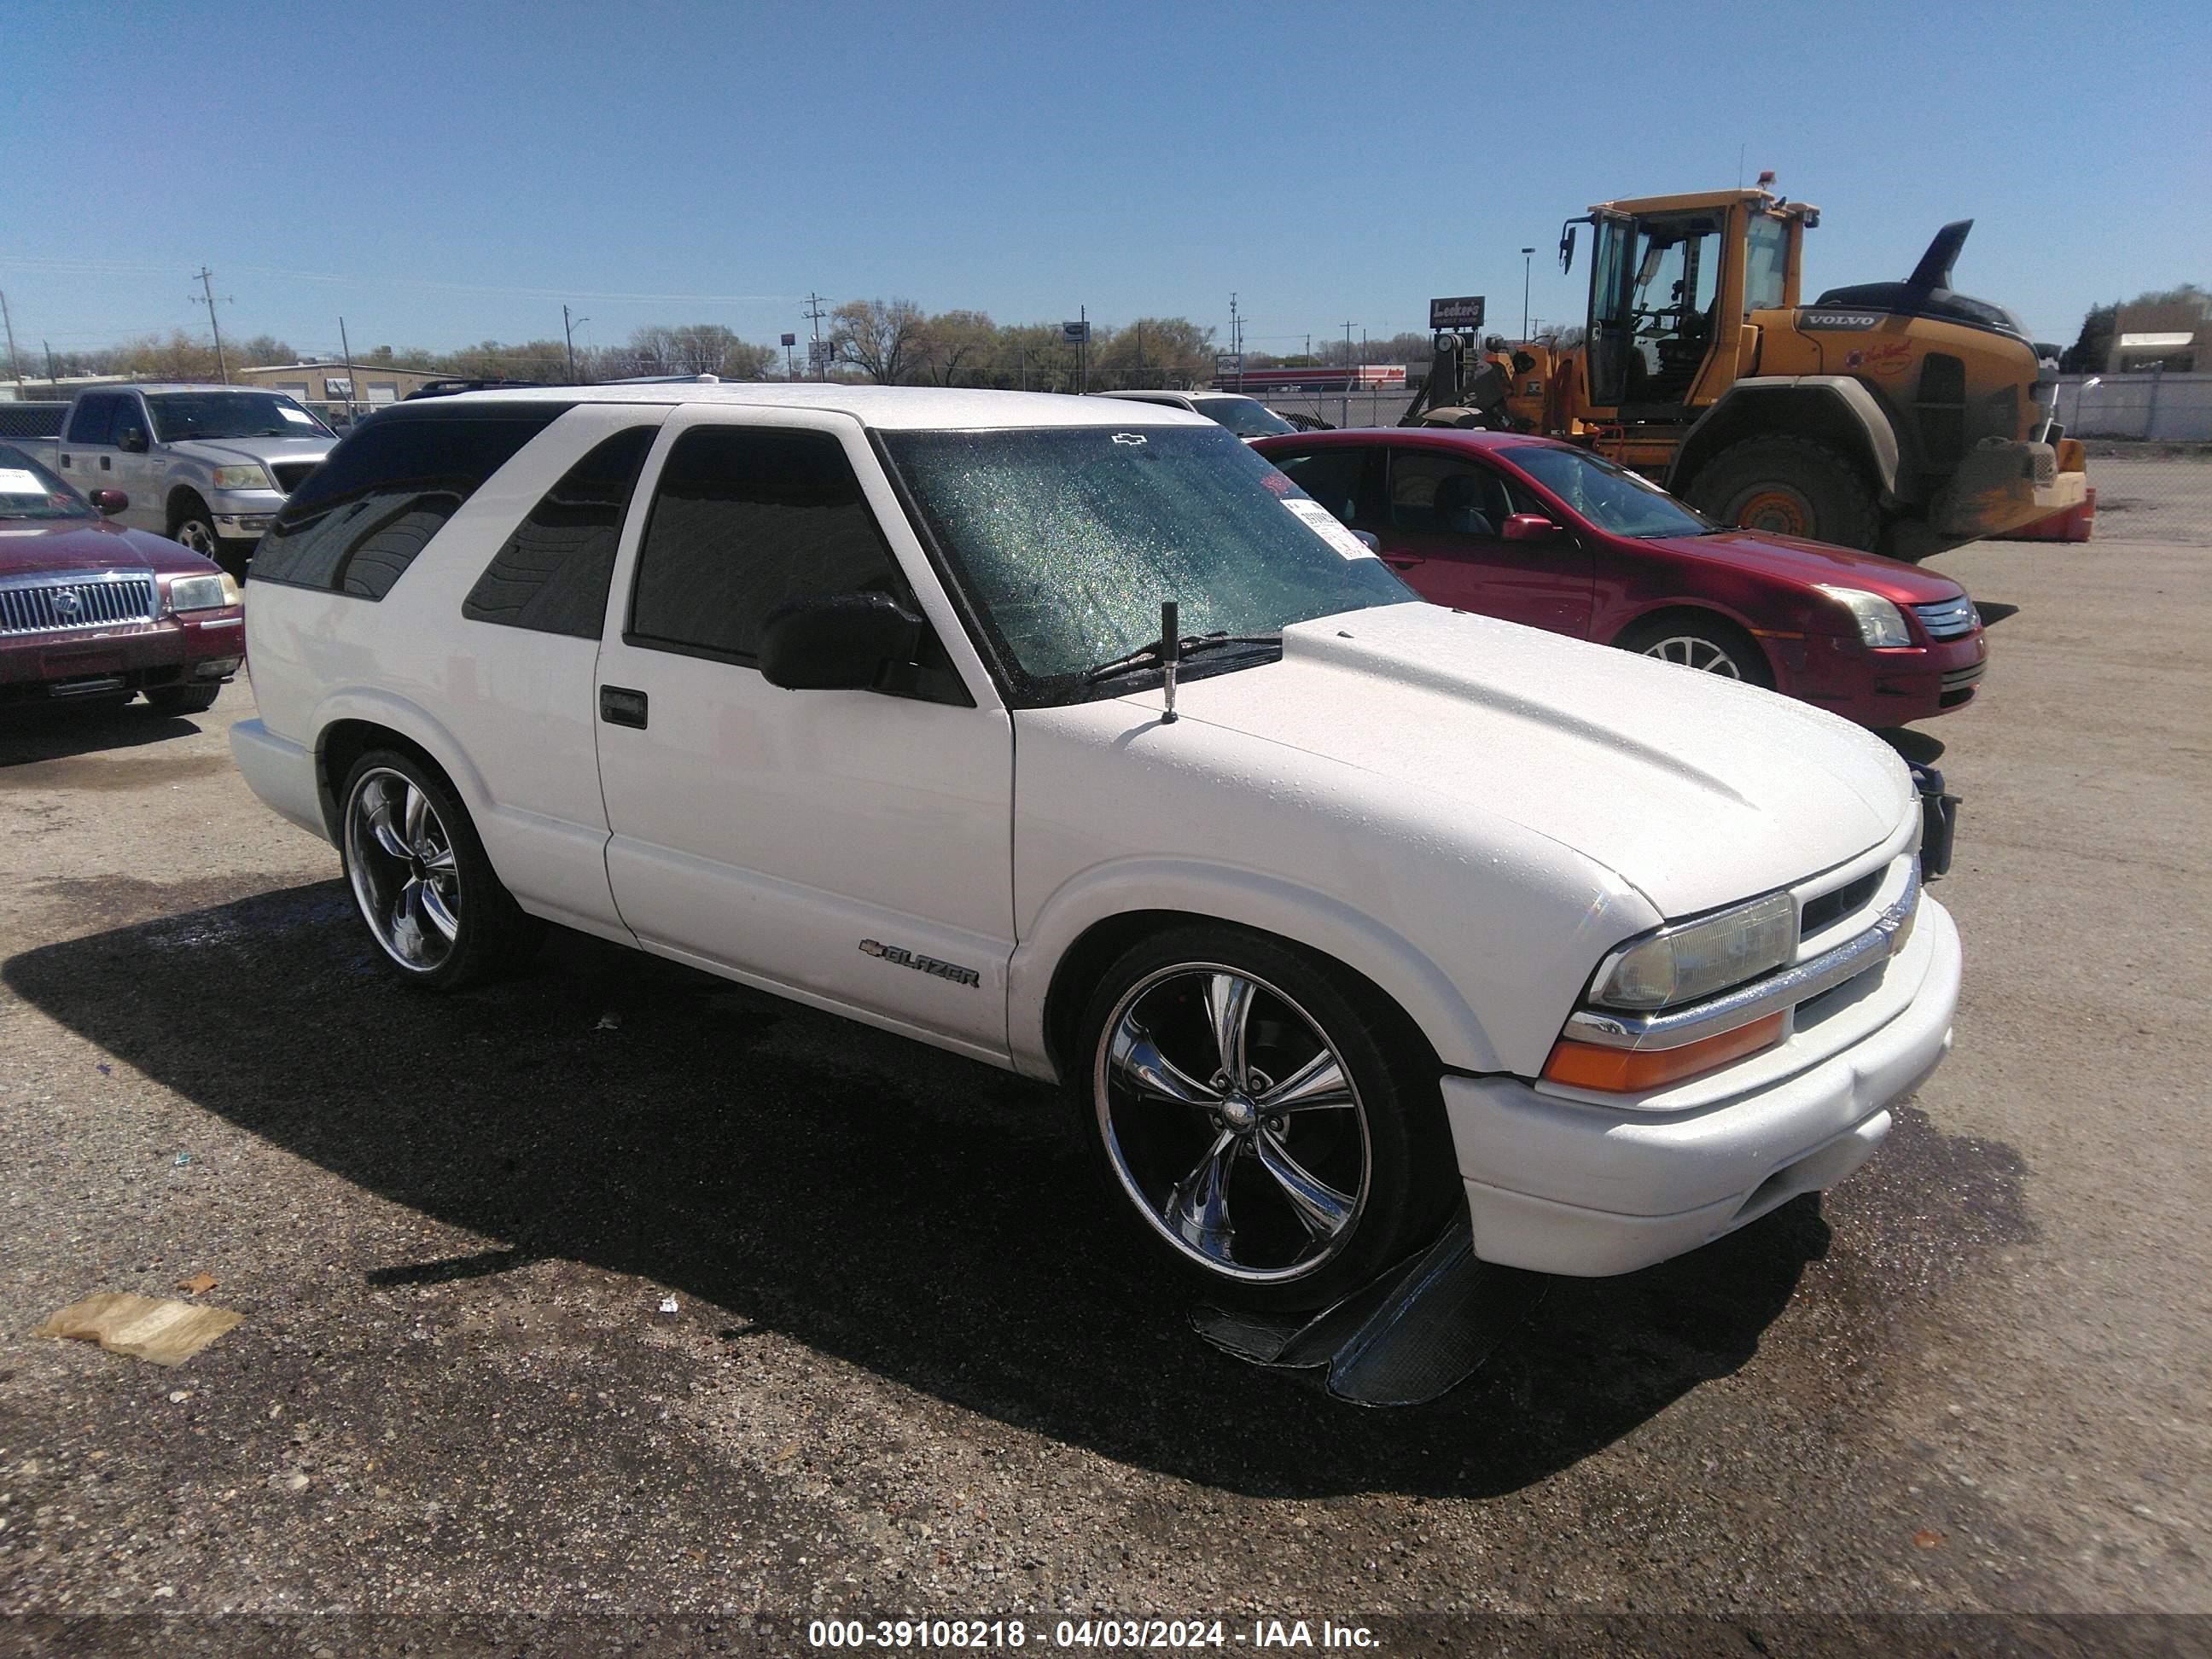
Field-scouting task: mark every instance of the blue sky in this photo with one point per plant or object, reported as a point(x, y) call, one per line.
point(441, 174)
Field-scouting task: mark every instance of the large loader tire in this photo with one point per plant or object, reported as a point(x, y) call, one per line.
point(1791, 486)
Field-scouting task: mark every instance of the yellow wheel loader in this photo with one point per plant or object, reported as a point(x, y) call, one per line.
point(1903, 416)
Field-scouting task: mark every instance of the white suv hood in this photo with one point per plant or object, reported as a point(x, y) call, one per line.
point(1696, 790)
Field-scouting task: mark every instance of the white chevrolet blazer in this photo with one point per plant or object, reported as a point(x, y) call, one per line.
point(1343, 917)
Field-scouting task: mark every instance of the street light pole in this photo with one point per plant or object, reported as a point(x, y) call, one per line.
point(568, 327)
point(1527, 255)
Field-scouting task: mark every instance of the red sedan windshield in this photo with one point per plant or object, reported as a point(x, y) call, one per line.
point(28, 491)
point(1612, 498)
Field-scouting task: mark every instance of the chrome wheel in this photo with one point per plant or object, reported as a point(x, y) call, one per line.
point(1694, 651)
point(400, 858)
point(199, 536)
point(1232, 1121)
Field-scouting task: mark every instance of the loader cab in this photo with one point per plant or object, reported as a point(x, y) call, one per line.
point(1673, 281)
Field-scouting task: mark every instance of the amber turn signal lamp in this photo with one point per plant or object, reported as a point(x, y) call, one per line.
point(1631, 1070)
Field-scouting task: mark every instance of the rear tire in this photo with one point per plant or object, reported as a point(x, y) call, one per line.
point(421, 880)
point(1789, 487)
point(1279, 1210)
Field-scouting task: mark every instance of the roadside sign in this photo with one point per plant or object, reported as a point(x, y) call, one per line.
point(1464, 312)
point(821, 351)
point(791, 339)
point(1075, 333)
point(1228, 362)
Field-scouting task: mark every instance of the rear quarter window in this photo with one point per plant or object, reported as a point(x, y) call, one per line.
point(361, 518)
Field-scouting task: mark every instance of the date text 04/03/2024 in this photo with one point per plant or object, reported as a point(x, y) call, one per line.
point(988, 1634)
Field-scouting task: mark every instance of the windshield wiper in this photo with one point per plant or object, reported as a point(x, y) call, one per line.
point(1153, 655)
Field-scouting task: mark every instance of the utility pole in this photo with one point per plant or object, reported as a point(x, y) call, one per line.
point(814, 315)
point(1141, 351)
point(346, 346)
point(1526, 254)
point(1083, 353)
point(568, 327)
point(13, 361)
point(1236, 339)
point(53, 379)
point(206, 297)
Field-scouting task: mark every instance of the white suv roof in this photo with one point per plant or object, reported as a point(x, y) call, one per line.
point(890, 407)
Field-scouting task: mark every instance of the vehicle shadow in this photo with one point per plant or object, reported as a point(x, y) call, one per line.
point(924, 1217)
point(1924, 748)
point(1994, 611)
point(56, 732)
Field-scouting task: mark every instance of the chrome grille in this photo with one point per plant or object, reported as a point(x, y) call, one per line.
point(1949, 619)
point(291, 474)
point(94, 601)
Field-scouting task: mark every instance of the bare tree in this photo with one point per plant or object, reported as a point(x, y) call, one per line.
point(877, 339)
point(953, 343)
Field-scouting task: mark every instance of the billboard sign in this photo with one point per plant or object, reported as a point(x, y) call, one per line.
point(1464, 312)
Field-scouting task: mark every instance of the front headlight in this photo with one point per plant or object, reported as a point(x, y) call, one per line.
point(202, 593)
point(1879, 621)
point(252, 475)
point(1690, 962)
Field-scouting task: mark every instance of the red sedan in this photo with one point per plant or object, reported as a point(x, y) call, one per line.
point(1542, 533)
point(92, 611)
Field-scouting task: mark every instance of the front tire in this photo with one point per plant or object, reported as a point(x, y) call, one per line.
point(183, 699)
point(1709, 645)
point(1789, 487)
point(1270, 1138)
point(192, 525)
point(421, 880)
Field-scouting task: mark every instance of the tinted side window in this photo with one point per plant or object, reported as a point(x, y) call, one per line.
point(1445, 495)
point(1330, 476)
point(361, 518)
point(552, 574)
point(95, 411)
point(745, 520)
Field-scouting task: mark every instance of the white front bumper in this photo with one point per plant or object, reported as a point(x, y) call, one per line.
point(1562, 1187)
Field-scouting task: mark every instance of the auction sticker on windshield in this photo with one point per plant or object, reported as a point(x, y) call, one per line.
point(1323, 524)
point(15, 481)
point(297, 417)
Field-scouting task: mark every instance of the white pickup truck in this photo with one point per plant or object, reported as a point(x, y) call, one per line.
point(206, 466)
point(1334, 914)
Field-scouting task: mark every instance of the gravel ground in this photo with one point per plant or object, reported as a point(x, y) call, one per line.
point(902, 1375)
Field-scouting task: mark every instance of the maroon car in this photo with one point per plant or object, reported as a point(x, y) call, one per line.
point(88, 609)
point(1542, 533)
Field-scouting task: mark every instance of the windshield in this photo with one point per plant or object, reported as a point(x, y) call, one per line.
point(1611, 497)
point(1245, 417)
point(230, 415)
point(28, 491)
point(1068, 538)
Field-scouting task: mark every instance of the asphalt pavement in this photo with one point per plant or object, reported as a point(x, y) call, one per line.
point(902, 1375)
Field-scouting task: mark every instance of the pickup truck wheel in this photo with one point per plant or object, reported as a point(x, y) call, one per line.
point(1710, 645)
point(1270, 1145)
point(1788, 487)
point(421, 881)
point(192, 525)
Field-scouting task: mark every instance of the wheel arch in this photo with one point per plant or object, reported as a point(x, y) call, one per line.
point(1832, 409)
point(181, 493)
point(1085, 929)
point(357, 725)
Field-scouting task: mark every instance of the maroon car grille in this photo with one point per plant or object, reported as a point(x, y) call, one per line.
point(51, 607)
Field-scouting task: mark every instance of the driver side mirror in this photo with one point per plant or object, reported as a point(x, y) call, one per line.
point(839, 643)
point(1567, 249)
point(1529, 528)
point(107, 502)
point(131, 440)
